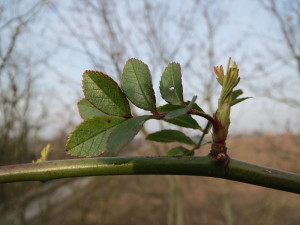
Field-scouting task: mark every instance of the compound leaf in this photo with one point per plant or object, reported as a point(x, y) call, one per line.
point(87, 110)
point(180, 151)
point(137, 84)
point(90, 137)
point(125, 132)
point(171, 84)
point(170, 136)
point(104, 93)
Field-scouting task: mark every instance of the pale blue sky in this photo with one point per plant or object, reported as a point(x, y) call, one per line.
point(244, 22)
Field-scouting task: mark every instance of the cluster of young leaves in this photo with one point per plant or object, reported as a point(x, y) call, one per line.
point(108, 123)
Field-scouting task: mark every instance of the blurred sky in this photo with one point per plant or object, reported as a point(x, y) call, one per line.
point(245, 22)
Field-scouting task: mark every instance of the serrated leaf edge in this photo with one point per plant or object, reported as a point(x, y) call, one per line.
point(151, 97)
point(117, 85)
point(177, 64)
point(85, 121)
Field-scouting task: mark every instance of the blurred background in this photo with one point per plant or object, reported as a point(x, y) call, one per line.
point(46, 45)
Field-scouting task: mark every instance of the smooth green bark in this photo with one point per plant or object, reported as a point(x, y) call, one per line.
point(196, 166)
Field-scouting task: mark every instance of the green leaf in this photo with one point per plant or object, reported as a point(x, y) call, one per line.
point(171, 84)
point(87, 110)
point(195, 106)
point(184, 121)
point(170, 136)
point(137, 84)
point(238, 100)
point(179, 112)
point(170, 107)
point(125, 132)
point(236, 93)
point(196, 140)
point(180, 151)
point(104, 93)
point(90, 137)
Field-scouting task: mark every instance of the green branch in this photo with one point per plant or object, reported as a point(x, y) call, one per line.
point(196, 166)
